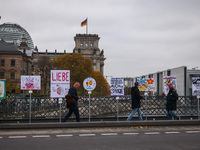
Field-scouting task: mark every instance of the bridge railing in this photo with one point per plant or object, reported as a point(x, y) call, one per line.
point(45, 107)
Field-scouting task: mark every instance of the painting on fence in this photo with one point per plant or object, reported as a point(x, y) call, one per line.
point(195, 86)
point(169, 80)
point(117, 86)
point(2, 89)
point(30, 82)
point(146, 84)
point(60, 83)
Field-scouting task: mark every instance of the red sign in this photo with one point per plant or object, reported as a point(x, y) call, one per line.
point(60, 76)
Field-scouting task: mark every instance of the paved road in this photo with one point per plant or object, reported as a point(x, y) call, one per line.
point(161, 138)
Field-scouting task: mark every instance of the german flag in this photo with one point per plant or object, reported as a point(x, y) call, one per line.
point(84, 23)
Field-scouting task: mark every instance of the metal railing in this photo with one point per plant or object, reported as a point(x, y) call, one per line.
point(46, 108)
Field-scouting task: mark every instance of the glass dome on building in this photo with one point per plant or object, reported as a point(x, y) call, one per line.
point(11, 32)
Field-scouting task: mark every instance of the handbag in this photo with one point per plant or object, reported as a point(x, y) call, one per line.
point(69, 100)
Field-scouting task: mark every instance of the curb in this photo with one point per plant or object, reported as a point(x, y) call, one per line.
point(100, 124)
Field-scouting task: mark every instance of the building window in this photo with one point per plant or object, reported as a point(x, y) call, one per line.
point(86, 44)
point(2, 62)
point(12, 63)
point(2, 75)
point(12, 75)
point(81, 44)
point(32, 68)
point(168, 73)
point(151, 76)
point(91, 44)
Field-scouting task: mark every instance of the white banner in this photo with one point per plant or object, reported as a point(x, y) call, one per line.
point(59, 90)
point(195, 86)
point(117, 86)
point(60, 83)
point(60, 76)
point(30, 82)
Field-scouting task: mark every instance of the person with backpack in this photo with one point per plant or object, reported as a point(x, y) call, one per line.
point(172, 97)
point(135, 94)
point(73, 108)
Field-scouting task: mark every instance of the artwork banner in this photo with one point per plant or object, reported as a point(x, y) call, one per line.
point(117, 86)
point(146, 84)
point(89, 84)
point(30, 82)
point(2, 89)
point(195, 86)
point(60, 76)
point(169, 80)
point(59, 90)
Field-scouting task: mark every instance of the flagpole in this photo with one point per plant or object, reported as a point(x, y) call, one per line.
point(87, 27)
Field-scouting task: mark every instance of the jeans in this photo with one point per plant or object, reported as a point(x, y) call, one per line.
point(133, 112)
point(170, 114)
point(72, 110)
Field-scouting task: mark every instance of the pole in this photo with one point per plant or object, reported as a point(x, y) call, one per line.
point(89, 92)
point(60, 102)
point(198, 107)
point(87, 27)
point(145, 105)
point(117, 109)
point(30, 106)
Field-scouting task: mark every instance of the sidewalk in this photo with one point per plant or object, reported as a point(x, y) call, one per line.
point(98, 124)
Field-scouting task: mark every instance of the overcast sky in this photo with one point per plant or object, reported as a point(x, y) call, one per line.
point(138, 36)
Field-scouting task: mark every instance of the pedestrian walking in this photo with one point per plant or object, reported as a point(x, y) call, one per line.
point(172, 97)
point(135, 94)
point(74, 107)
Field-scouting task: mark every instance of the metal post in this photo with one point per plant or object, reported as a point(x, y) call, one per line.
point(117, 109)
point(146, 105)
point(60, 102)
point(30, 106)
point(198, 107)
point(89, 92)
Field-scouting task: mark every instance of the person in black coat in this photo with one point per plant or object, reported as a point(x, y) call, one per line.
point(172, 97)
point(73, 108)
point(135, 94)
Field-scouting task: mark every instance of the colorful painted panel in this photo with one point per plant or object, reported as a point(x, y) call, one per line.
point(169, 80)
point(2, 89)
point(30, 82)
point(146, 84)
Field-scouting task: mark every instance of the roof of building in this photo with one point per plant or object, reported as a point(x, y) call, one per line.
point(6, 48)
point(14, 32)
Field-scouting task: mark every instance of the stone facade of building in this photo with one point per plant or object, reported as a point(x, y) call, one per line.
point(88, 46)
point(13, 63)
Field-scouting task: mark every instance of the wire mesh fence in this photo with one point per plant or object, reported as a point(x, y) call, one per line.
point(46, 108)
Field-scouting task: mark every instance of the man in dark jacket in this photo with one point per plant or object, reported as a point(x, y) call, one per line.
point(73, 108)
point(135, 94)
point(172, 97)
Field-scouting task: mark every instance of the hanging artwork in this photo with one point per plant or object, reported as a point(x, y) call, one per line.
point(60, 83)
point(195, 86)
point(169, 80)
point(117, 86)
point(2, 89)
point(30, 82)
point(146, 84)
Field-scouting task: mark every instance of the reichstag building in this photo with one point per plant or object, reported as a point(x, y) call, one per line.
point(18, 56)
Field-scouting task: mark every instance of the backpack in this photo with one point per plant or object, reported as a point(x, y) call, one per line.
point(69, 100)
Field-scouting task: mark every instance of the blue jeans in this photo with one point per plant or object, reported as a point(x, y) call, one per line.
point(171, 113)
point(72, 110)
point(133, 112)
